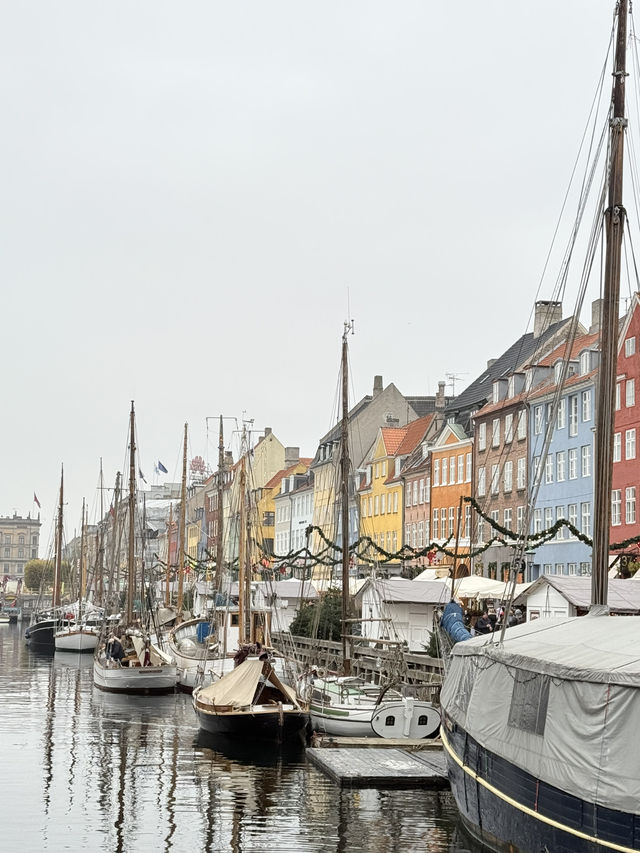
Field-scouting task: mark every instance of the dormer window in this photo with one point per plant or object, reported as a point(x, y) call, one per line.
point(557, 371)
point(529, 380)
point(585, 362)
point(511, 387)
point(496, 392)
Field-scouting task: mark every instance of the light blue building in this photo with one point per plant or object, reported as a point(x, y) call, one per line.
point(566, 478)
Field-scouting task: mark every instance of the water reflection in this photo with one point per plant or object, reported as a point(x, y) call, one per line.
point(118, 773)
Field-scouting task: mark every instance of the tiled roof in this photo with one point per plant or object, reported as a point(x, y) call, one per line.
point(415, 433)
point(582, 342)
point(519, 353)
point(548, 386)
point(393, 438)
point(286, 472)
point(503, 404)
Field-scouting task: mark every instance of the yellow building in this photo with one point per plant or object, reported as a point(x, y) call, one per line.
point(265, 502)
point(381, 488)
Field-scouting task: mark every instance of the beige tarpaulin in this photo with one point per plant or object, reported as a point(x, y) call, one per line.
point(239, 686)
point(156, 657)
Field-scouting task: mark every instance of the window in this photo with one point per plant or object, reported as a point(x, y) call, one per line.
point(617, 446)
point(427, 490)
point(452, 469)
point(395, 501)
point(573, 415)
point(444, 471)
point(536, 467)
point(521, 473)
point(363, 512)
point(383, 504)
point(537, 420)
point(561, 417)
point(618, 394)
point(436, 525)
point(7, 552)
point(585, 519)
point(508, 476)
point(508, 518)
point(529, 701)
point(482, 482)
point(390, 720)
point(572, 512)
point(377, 469)
point(520, 520)
point(7, 539)
point(559, 568)
point(495, 479)
point(370, 505)
point(482, 436)
point(436, 472)
point(452, 517)
point(468, 472)
point(508, 429)
point(480, 529)
point(561, 466)
point(573, 463)
point(421, 491)
point(585, 460)
point(548, 469)
point(376, 505)
point(585, 362)
point(414, 535)
point(573, 568)
point(461, 468)
point(20, 553)
point(467, 521)
point(585, 568)
point(427, 532)
point(630, 505)
point(495, 433)
point(537, 520)
point(420, 534)
point(496, 392)
point(559, 517)
point(384, 468)
point(630, 393)
point(415, 492)
point(548, 517)
point(34, 540)
point(423, 720)
point(586, 405)
point(522, 424)
point(629, 346)
point(21, 539)
point(630, 444)
point(616, 507)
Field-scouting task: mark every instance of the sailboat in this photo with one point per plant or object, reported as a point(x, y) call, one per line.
point(344, 704)
point(78, 636)
point(247, 699)
point(540, 727)
point(41, 632)
point(127, 661)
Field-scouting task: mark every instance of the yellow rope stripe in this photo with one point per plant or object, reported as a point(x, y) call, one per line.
point(609, 844)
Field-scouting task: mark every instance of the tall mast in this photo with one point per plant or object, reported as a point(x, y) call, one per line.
point(132, 512)
point(57, 574)
point(99, 574)
point(344, 491)
point(183, 521)
point(81, 576)
point(242, 581)
point(614, 227)
point(219, 552)
point(167, 591)
point(114, 557)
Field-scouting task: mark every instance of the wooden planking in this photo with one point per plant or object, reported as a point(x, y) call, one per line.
point(380, 767)
point(325, 741)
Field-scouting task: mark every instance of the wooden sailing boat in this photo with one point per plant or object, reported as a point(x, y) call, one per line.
point(540, 728)
point(128, 662)
point(248, 700)
point(41, 632)
point(80, 636)
point(344, 704)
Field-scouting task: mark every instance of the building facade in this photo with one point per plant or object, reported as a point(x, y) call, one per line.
point(20, 542)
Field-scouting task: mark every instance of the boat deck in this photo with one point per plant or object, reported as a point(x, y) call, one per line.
point(381, 767)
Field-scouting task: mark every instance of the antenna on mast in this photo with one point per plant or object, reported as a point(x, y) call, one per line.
point(453, 378)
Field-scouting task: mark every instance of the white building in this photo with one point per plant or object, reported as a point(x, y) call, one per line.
point(405, 609)
point(294, 513)
point(559, 596)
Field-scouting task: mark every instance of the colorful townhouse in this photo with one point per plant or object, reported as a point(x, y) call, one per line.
point(382, 487)
point(501, 470)
point(566, 475)
point(451, 479)
point(265, 498)
point(294, 515)
point(625, 522)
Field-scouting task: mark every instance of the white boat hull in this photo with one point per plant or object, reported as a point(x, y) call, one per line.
point(134, 679)
point(76, 640)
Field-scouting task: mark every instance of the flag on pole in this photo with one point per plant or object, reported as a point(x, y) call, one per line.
point(162, 468)
point(36, 501)
point(141, 475)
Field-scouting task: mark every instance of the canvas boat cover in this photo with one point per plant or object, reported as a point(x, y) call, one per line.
point(239, 686)
point(560, 699)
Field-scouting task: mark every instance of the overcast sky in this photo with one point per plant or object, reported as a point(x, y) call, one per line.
point(190, 191)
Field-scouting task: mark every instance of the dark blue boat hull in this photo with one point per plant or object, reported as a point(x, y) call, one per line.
point(509, 811)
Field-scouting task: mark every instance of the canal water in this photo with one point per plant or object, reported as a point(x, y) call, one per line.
point(86, 770)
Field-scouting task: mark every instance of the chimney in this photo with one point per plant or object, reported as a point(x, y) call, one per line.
point(440, 404)
point(491, 362)
point(267, 431)
point(547, 313)
point(596, 316)
point(377, 385)
point(291, 456)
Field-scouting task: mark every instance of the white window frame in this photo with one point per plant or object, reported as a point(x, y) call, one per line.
point(482, 436)
point(508, 428)
point(630, 505)
point(630, 444)
point(573, 463)
point(585, 460)
point(573, 415)
point(537, 420)
point(586, 405)
point(482, 482)
point(616, 507)
point(630, 346)
point(561, 466)
point(495, 432)
point(521, 477)
point(617, 446)
point(630, 393)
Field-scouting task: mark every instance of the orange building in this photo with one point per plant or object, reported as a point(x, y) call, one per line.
point(451, 479)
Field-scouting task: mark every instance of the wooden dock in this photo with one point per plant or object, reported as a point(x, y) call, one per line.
point(325, 741)
point(381, 767)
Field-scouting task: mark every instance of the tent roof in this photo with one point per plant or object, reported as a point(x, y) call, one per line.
point(624, 595)
point(401, 590)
